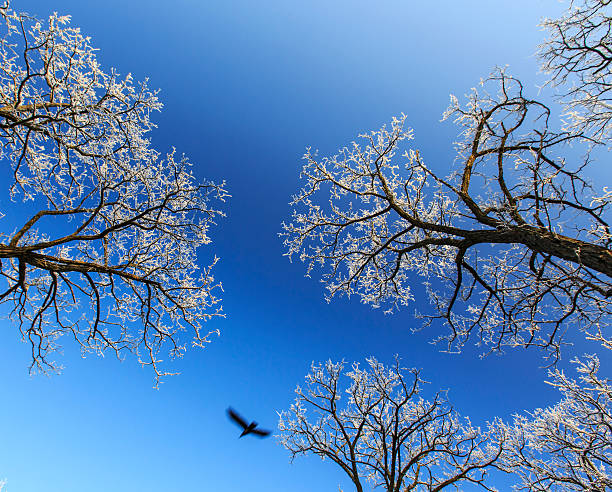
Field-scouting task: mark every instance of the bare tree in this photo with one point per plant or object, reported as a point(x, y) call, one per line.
point(567, 446)
point(108, 252)
point(386, 433)
point(512, 245)
point(577, 56)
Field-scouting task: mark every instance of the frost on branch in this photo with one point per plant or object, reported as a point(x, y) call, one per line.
point(514, 245)
point(577, 57)
point(107, 254)
point(373, 423)
point(567, 446)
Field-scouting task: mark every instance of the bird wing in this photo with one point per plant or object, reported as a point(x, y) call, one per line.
point(261, 432)
point(237, 418)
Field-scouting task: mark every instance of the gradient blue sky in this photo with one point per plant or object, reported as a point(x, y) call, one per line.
point(247, 86)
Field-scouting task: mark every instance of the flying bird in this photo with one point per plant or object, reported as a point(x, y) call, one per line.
point(246, 427)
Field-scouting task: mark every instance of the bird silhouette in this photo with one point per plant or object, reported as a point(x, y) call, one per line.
point(246, 427)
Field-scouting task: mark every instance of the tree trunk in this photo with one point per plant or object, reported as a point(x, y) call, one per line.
point(576, 251)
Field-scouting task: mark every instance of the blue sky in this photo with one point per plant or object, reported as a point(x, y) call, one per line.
point(246, 87)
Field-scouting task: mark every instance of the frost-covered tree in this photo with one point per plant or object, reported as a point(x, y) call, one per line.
point(512, 245)
point(373, 423)
point(512, 241)
point(567, 446)
point(577, 56)
point(106, 250)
